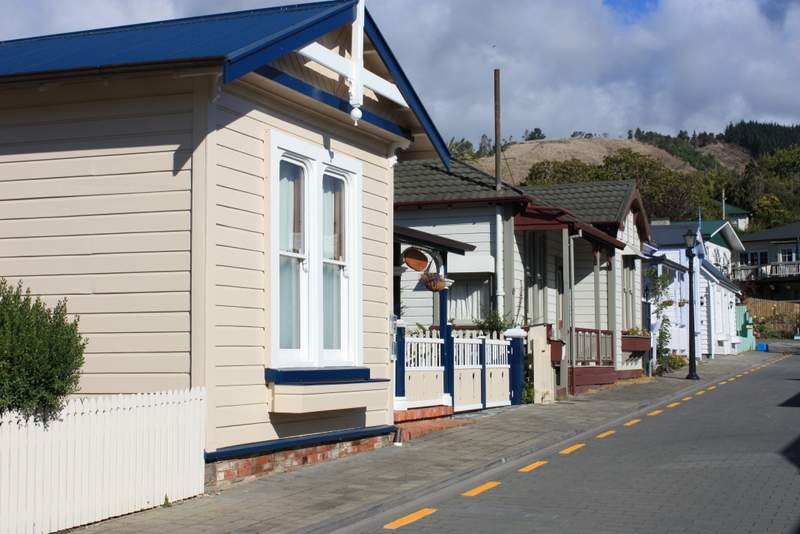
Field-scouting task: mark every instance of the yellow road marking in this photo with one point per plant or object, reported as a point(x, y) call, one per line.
point(711, 388)
point(731, 379)
point(480, 489)
point(655, 413)
point(534, 465)
point(673, 404)
point(723, 382)
point(688, 398)
point(633, 422)
point(572, 448)
point(701, 392)
point(408, 519)
point(605, 434)
point(739, 376)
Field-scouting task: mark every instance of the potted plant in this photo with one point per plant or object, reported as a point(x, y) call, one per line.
point(635, 340)
point(435, 281)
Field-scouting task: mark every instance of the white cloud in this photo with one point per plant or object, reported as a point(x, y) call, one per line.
point(567, 64)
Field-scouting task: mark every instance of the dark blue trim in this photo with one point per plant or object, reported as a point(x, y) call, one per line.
point(263, 447)
point(400, 362)
point(254, 55)
point(516, 372)
point(336, 382)
point(324, 375)
point(405, 87)
point(331, 100)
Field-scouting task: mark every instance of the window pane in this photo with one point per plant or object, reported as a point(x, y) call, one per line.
point(291, 207)
point(468, 299)
point(332, 218)
point(289, 298)
point(762, 256)
point(331, 306)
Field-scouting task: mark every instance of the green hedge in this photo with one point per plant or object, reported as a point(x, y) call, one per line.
point(41, 354)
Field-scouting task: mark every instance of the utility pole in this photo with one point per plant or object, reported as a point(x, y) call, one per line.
point(497, 160)
point(724, 218)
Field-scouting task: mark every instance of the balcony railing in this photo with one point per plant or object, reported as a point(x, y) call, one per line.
point(594, 347)
point(746, 273)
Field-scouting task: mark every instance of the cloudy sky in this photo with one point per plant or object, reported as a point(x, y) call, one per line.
point(592, 65)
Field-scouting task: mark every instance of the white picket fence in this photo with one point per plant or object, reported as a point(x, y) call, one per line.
point(103, 457)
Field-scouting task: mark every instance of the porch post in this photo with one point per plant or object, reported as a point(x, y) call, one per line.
point(400, 361)
point(516, 363)
point(611, 281)
point(448, 361)
point(596, 256)
point(482, 357)
point(566, 359)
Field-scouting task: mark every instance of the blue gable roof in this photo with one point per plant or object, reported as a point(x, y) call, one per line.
point(241, 42)
point(234, 38)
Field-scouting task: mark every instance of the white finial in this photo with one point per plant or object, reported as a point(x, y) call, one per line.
point(356, 114)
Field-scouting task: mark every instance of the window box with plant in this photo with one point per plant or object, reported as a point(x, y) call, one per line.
point(635, 340)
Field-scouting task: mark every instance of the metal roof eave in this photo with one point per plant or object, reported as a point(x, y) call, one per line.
point(406, 89)
point(259, 53)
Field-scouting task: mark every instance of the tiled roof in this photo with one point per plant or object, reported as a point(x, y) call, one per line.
point(596, 202)
point(671, 234)
point(779, 233)
point(426, 181)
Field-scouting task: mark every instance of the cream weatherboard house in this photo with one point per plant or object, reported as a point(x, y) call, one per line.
point(214, 196)
point(563, 262)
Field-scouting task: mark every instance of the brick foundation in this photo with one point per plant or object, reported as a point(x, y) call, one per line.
point(224, 473)
point(419, 414)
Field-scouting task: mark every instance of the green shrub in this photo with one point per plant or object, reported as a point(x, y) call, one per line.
point(675, 361)
point(41, 354)
point(528, 393)
point(494, 322)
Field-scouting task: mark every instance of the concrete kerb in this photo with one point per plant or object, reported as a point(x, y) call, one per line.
point(414, 499)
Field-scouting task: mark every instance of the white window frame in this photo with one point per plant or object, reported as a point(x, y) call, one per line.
point(317, 161)
point(782, 258)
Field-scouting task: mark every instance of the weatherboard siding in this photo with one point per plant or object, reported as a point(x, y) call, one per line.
point(630, 236)
point(243, 118)
point(95, 199)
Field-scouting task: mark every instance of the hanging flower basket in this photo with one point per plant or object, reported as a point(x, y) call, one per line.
point(435, 281)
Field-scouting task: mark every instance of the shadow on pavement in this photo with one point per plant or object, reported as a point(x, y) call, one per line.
point(791, 402)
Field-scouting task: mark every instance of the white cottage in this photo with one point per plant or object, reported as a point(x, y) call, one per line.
point(214, 196)
point(716, 295)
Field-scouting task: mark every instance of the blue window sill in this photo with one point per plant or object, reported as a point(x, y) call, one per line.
point(316, 376)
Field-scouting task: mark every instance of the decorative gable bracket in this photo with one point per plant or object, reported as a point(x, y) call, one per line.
point(353, 69)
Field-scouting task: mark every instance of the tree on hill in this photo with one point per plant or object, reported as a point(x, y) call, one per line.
point(533, 135)
point(762, 138)
point(681, 146)
point(461, 149)
point(769, 211)
point(485, 147)
point(666, 193)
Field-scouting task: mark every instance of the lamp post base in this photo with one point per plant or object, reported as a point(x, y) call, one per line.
point(692, 376)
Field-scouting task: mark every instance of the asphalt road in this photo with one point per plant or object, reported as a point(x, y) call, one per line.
point(725, 460)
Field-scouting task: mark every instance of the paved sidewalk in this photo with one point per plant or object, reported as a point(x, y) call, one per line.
point(332, 495)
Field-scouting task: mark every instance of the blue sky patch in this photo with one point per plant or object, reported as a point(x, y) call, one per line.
point(631, 11)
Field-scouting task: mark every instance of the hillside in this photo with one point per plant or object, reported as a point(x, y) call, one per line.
point(518, 158)
point(728, 155)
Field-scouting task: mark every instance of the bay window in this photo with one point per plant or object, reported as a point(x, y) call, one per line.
point(315, 276)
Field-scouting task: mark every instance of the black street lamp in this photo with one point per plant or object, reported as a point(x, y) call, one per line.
point(691, 240)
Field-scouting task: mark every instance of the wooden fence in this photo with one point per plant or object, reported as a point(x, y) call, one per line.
point(777, 316)
point(103, 457)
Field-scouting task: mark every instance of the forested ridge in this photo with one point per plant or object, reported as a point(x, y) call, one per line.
point(768, 187)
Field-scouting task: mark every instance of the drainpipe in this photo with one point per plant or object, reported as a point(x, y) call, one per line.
point(498, 260)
